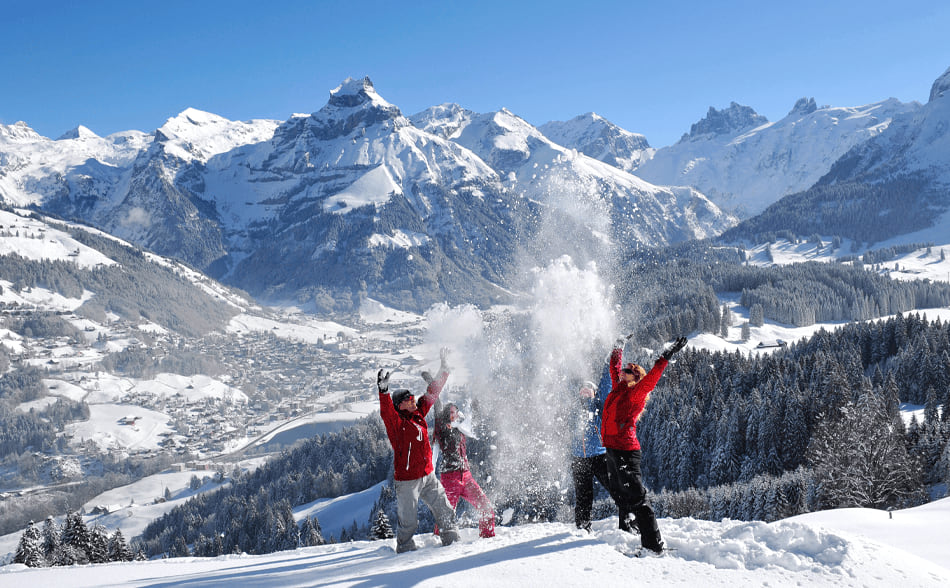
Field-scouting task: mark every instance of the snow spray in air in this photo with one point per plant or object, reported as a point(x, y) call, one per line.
point(515, 371)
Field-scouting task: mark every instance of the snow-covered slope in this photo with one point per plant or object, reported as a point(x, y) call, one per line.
point(34, 168)
point(916, 143)
point(743, 163)
point(854, 547)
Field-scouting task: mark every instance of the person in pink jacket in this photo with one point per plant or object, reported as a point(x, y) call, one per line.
point(618, 429)
point(454, 470)
point(405, 421)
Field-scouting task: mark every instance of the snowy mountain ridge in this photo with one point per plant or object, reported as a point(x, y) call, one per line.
point(348, 198)
point(744, 163)
point(620, 205)
point(599, 138)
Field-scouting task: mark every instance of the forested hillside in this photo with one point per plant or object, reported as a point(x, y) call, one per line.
point(675, 291)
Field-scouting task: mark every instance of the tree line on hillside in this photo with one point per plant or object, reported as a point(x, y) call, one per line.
point(72, 543)
point(252, 514)
point(862, 212)
point(34, 430)
point(676, 290)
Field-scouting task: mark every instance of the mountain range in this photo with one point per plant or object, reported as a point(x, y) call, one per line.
point(448, 204)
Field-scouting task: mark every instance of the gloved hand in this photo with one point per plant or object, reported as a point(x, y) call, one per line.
point(427, 377)
point(620, 342)
point(677, 345)
point(443, 356)
point(382, 381)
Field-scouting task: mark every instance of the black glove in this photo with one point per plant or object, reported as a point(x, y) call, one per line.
point(677, 345)
point(427, 377)
point(382, 382)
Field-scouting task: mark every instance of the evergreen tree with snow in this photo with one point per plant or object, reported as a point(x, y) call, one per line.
point(29, 550)
point(382, 529)
point(179, 548)
point(51, 538)
point(75, 540)
point(310, 534)
point(118, 548)
point(98, 545)
point(860, 460)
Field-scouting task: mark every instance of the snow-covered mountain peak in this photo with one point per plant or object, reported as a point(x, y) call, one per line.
point(730, 121)
point(198, 135)
point(354, 104)
point(80, 132)
point(597, 137)
point(940, 87)
point(353, 92)
point(803, 107)
point(19, 132)
point(445, 120)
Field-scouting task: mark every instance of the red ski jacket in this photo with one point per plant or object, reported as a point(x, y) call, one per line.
point(409, 434)
point(625, 404)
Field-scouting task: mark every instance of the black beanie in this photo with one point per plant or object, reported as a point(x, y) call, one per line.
point(400, 395)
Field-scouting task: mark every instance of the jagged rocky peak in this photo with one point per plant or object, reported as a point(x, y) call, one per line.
point(732, 120)
point(353, 93)
point(941, 86)
point(803, 107)
point(353, 104)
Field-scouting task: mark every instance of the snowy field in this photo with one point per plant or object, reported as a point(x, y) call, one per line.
point(852, 547)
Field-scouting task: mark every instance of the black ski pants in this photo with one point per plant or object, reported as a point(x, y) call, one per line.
point(632, 496)
point(584, 470)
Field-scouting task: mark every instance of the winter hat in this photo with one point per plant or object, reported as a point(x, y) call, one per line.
point(400, 395)
point(589, 385)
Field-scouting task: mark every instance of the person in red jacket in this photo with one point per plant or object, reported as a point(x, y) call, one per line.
point(618, 429)
point(405, 421)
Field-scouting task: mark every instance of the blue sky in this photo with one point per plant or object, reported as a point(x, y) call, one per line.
point(651, 67)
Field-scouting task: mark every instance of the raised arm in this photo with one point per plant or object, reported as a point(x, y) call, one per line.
point(386, 409)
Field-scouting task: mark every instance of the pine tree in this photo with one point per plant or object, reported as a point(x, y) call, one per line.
point(29, 551)
point(756, 315)
point(859, 458)
point(179, 548)
point(118, 548)
point(726, 321)
point(310, 534)
point(98, 545)
point(75, 537)
point(51, 538)
point(382, 529)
